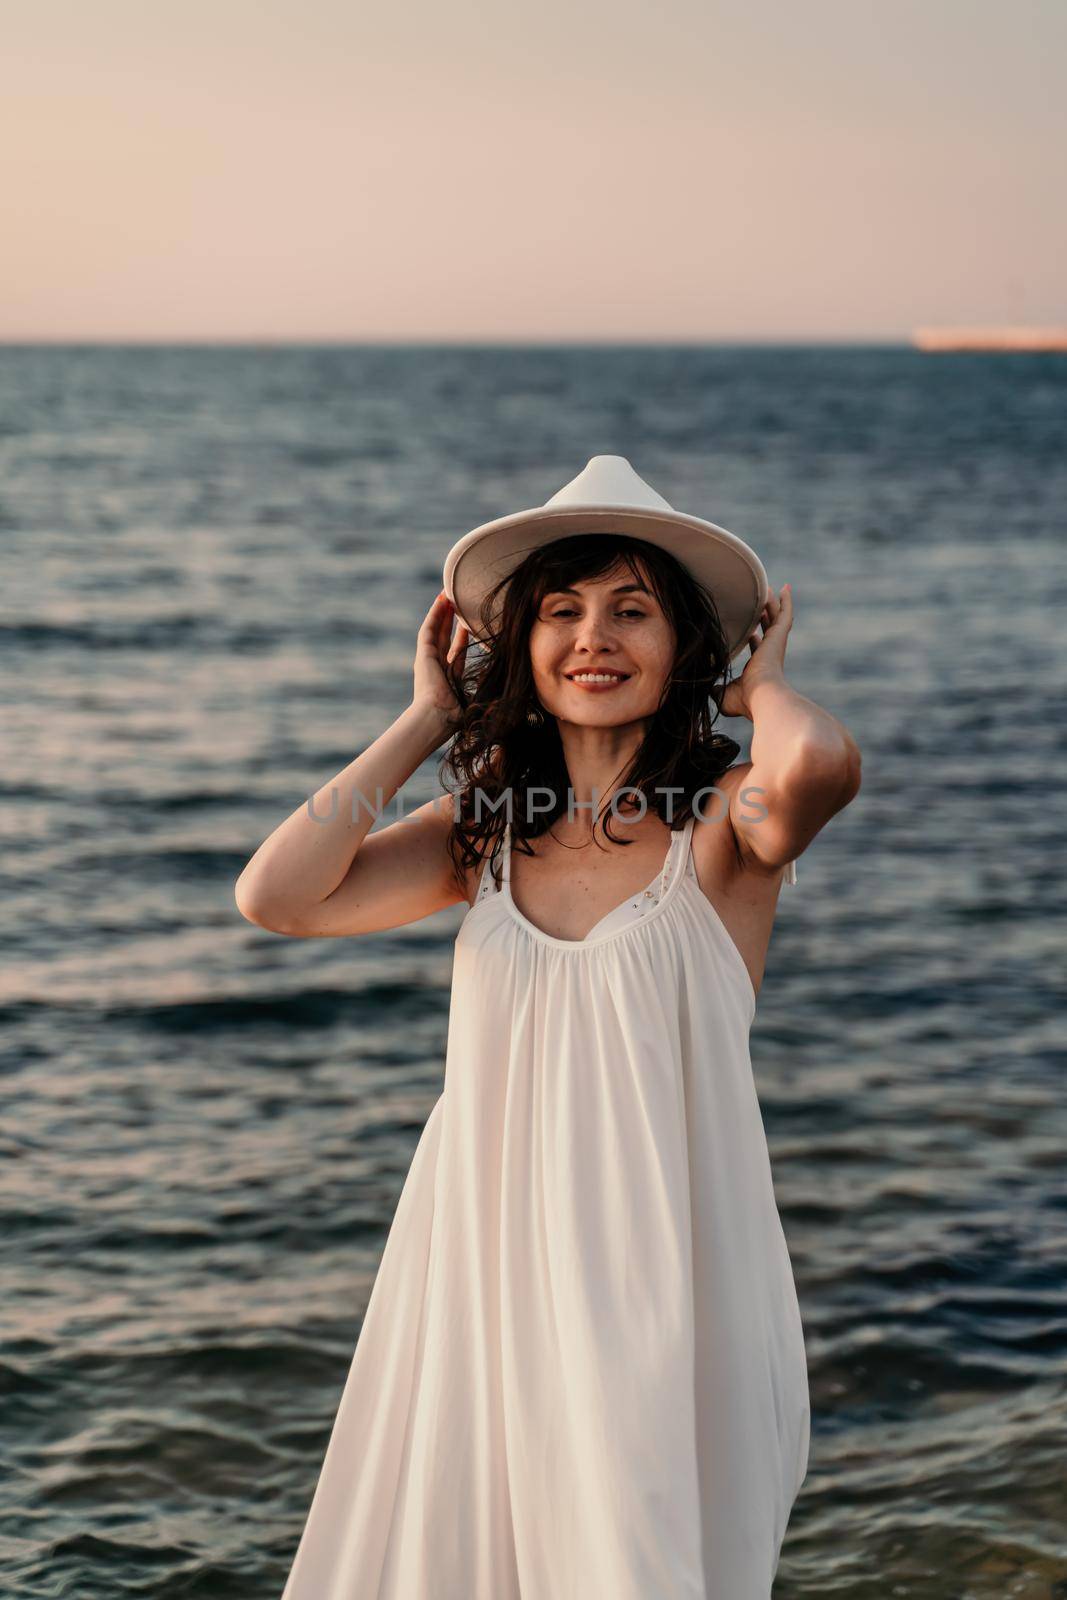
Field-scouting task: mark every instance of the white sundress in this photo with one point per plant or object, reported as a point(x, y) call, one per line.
point(581, 1372)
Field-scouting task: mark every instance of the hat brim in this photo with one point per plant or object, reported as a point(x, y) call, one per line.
point(724, 564)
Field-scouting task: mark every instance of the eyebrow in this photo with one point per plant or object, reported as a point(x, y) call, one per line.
point(622, 588)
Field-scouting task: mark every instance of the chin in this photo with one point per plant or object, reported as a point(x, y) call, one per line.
point(600, 715)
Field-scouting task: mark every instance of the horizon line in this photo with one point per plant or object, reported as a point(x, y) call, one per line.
point(439, 342)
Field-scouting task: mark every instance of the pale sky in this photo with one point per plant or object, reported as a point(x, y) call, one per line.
point(555, 169)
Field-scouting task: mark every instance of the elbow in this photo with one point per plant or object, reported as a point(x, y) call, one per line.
point(852, 769)
point(835, 772)
point(256, 909)
point(856, 774)
point(843, 778)
point(246, 904)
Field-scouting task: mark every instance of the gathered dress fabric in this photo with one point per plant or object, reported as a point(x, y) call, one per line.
point(581, 1373)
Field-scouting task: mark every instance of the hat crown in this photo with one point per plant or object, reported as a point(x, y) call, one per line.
point(609, 481)
point(608, 498)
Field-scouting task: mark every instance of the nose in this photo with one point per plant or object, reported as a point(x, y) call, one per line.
point(594, 633)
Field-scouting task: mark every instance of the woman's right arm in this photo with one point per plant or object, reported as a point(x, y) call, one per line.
point(322, 872)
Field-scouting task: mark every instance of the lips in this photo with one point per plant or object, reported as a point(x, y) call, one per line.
point(619, 677)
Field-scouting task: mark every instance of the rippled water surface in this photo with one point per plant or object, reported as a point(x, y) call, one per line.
point(215, 563)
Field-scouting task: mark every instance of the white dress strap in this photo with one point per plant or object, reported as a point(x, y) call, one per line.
point(486, 882)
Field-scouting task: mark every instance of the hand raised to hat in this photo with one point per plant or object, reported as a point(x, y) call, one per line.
point(766, 658)
point(433, 655)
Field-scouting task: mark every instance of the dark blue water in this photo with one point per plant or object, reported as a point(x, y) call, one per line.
point(215, 562)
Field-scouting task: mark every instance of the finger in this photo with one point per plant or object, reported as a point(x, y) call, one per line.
point(460, 642)
point(431, 621)
point(445, 620)
point(775, 605)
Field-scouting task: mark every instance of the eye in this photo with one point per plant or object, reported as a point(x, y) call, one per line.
point(569, 611)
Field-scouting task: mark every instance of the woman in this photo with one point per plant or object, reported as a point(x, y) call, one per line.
point(581, 1371)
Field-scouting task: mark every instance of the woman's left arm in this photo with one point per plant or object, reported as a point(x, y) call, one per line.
point(805, 762)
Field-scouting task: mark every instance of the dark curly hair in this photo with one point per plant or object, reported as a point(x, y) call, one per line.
point(504, 741)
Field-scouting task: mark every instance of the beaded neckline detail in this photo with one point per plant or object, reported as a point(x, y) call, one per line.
point(647, 902)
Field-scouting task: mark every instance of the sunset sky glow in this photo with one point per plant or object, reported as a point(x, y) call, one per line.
point(697, 170)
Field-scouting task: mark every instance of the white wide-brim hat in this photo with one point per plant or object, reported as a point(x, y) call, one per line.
point(607, 497)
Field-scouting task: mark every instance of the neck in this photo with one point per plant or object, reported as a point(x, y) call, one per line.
point(596, 760)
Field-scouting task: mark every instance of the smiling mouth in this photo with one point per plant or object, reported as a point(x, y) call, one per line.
point(597, 677)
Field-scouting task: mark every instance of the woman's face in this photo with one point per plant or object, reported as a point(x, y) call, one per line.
point(601, 651)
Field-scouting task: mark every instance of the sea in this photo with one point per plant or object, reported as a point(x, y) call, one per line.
point(215, 562)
